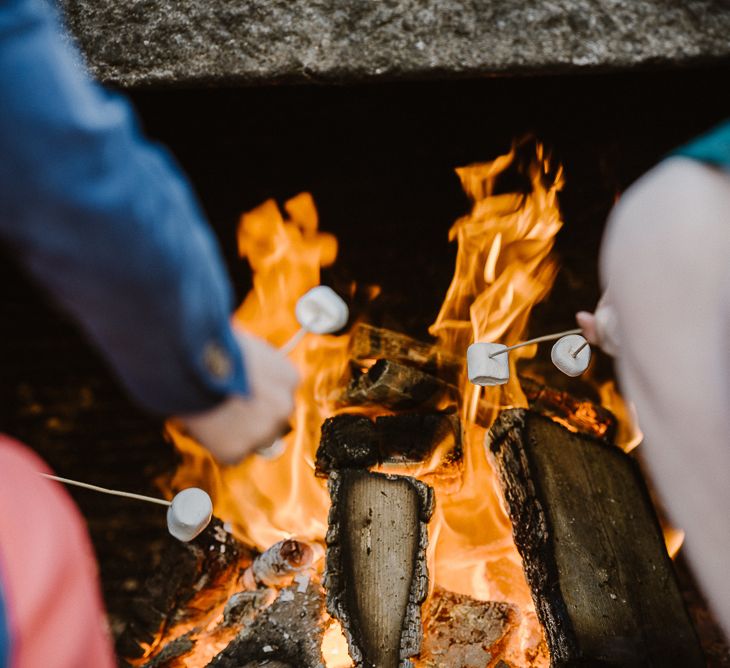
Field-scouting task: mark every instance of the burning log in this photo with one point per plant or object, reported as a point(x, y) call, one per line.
point(376, 576)
point(397, 386)
point(593, 552)
point(580, 415)
point(186, 568)
point(355, 441)
point(370, 343)
point(461, 631)
point(288, 632)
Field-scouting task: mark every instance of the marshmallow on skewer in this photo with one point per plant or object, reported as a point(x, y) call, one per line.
point(483, 369)
point(571, 355)
point(189, 513)
point(321, 311)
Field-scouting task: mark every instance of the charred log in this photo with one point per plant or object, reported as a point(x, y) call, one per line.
point(396, 385)
point(185, 569)
point(370, 343)
point(578, 414)
point(592, 549)
point(289, 631)
point(461, 631)
point(376, 576)
point(355, 441)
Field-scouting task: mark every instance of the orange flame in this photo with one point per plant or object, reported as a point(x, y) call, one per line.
point(267, 501)
point(503, 268)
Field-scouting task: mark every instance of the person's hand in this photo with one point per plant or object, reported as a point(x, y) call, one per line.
point(601, 328)
point(241, 425)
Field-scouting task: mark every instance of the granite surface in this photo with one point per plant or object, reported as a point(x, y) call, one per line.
point(243, 42)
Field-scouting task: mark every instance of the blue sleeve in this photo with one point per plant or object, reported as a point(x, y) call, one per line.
point(105, 221)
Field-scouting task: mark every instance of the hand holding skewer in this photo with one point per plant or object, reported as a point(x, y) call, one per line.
point(319, 311)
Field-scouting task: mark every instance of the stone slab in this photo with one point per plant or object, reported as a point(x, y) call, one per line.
point(247, 42)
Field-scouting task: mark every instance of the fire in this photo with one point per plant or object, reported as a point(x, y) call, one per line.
point(503, 268)
point(629, 435)
point(267, 501)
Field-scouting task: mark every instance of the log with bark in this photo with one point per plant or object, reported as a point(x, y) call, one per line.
point(206, 563)
point(370, 343)
point(397, 386)
point(376, 575)
point(592, 549)
point(288, 631)
point(355, 441)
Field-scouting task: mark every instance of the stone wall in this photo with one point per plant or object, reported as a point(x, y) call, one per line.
point(243, 42)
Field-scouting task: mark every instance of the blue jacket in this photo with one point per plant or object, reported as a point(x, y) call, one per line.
point(106, 222)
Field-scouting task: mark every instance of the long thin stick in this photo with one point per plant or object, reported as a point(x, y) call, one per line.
point(104, 490)
point(539, 339)
point(293, 342)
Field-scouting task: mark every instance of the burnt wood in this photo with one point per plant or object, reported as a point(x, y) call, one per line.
point(370, 343)
point(354, 441)
point(583, 415)
point(592, 549)
point(398, 386)
point(206, 562)
point(286, 633)
point(376, 575)
point(464, 632)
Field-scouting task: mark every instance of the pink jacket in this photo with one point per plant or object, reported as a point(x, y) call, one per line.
point(52, 605)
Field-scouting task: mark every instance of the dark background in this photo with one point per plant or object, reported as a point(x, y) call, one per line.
point(379, 162)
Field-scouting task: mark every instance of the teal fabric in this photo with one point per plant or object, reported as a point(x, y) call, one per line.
point(712, 147)
point(4, 635)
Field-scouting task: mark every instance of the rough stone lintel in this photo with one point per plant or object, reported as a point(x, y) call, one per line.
point(254, 42)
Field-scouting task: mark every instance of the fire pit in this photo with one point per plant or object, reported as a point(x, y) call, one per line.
point(421, 568)
point(386, 468)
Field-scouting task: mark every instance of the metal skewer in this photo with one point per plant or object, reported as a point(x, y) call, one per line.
point(582, 345)
point(540, 339)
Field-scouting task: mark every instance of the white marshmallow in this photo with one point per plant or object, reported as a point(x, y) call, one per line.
point(322, 310)
point(562, 355)
point(486, 370)
point(189, 513)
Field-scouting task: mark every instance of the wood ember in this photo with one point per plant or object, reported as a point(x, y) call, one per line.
point(577, 414)
point(593, 552)
point(355, 441)
point(289, 631)
point(397, 386)
point(462, 632)
point(376, 575)
point(173, 650)
point(185, 570)
point(370, 343)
